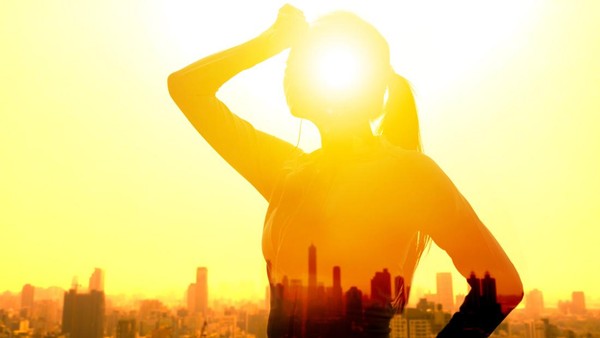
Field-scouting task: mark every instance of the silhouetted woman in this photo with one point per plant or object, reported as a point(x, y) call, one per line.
point(347, 223)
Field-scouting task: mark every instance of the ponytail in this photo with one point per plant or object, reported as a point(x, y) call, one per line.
point(400, 123)
point(400, 127)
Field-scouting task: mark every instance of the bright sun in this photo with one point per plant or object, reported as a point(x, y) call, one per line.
point(338, 67)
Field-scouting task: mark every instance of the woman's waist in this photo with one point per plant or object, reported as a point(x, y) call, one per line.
point(332, 316)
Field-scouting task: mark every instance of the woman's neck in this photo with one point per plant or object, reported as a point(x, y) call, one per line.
point(340, 143)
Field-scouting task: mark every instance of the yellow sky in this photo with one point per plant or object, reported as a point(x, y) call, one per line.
point(99, 169)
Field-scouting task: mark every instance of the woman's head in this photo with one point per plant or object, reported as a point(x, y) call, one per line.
point(337, 74)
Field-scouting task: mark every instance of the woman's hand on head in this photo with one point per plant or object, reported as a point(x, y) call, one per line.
point(288, 28)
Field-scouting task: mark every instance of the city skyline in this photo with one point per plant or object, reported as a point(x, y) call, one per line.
point(150, 317)
point(533, 299)
point(88, 313)
point(28, 291)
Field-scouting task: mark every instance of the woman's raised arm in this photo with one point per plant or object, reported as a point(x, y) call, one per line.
point(255, 155)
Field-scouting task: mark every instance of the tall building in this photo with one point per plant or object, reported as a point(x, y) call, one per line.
point(83, 314)
point(201, 290)
point(312, 267)
point(97, 280)
point(354, 306)
point(312, 281)
point(419, 328)
point(191, 298)
point(381, 288)
point(47, 313)
point(534, 303)
point(482, 300)
point(27, 294)
point(398, 327)
point(535, 329)
point(337, 292)
point(445, 292)
point(422, 321)
point(296, 290)
point(488, 289)
point(475, 284)
point(578, 302)
point(126, 328)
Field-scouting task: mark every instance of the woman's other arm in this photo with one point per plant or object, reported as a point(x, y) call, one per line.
point(496, 287)
point(255, 155)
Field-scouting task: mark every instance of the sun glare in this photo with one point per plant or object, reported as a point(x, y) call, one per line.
point(338, 68)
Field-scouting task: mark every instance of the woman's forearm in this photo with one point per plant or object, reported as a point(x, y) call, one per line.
point(206, 76)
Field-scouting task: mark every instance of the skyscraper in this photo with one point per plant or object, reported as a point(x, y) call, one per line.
point(312, 267)
point(381, 288)
point(354, 306)
point(97, 280)
point(27, 296)
point(336, 292)
point(445, 292)
point(488, 289)
point(337, 277)
point(312, 278)
point(191, 298)
point(201, 290)
point(83, 314)
point(399, 327)
point(534, 303)
point(475, 284)
point(419, 328)
point(536, 329)
point(578, 302)
point(27, 299)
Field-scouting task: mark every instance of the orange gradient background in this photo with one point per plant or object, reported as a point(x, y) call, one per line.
point(98, 168)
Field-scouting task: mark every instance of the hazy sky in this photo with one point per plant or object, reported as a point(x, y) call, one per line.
point(98, 168)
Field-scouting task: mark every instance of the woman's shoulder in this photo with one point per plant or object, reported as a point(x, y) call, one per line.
point(416, 171)
point(411, 160)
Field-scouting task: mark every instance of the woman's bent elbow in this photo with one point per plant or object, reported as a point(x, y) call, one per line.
point(175, 86)
point(181, 87)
